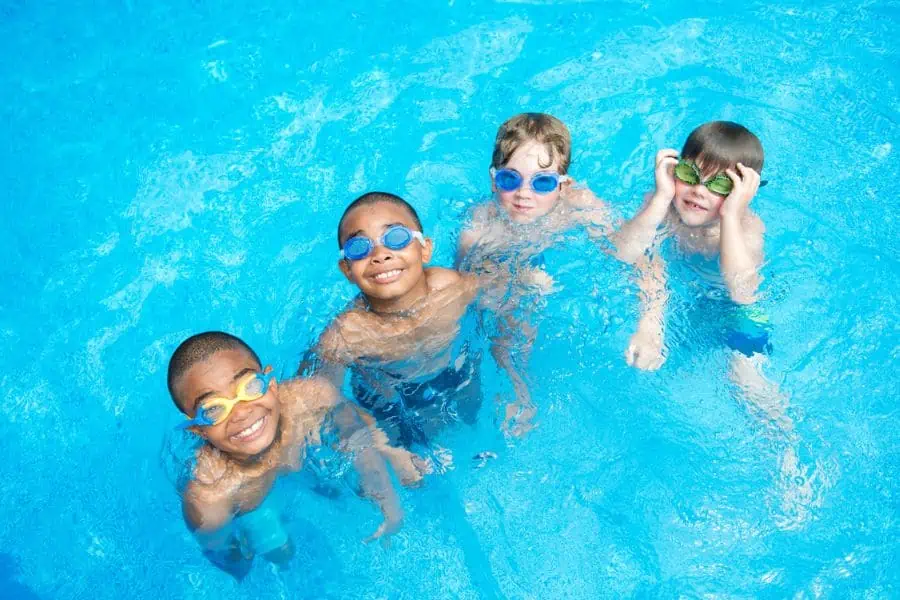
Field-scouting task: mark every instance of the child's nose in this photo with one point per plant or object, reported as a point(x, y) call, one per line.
point(524, 191)
point(240, 412)
point(382, 253)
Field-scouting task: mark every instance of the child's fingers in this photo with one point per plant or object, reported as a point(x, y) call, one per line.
point(733, 176)
point(668, 162)
point(748, 174)
point(630, 355)
point(666, 153)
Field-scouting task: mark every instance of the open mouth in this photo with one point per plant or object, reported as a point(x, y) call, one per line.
point(523, 207)
point(252, 431)
point(694, 206)
point(388, 276)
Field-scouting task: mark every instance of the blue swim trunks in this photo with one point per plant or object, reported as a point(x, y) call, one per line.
point(262, 527)
point(457, 387)
point(748, 331)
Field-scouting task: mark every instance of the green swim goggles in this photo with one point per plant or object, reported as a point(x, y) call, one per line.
point(688, 172)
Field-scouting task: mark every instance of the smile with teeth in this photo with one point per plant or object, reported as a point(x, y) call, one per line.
point(248, 432)
point(694, 206)
point(388, 276)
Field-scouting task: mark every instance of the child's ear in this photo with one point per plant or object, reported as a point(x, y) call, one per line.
point(493, 185)
point(344, 266)
point(427, 251)
point(198, 431)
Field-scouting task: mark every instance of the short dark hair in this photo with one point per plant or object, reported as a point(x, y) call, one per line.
point(370, 198)
point(198, 348)
point(719, 145)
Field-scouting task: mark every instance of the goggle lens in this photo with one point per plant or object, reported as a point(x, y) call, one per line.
point(357, 248)
point(545, 183)
point(720, 184)
point(397, 238)
point(507, 180)
point(686, 172)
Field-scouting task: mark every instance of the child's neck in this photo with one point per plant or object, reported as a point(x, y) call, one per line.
point(704, 239)
point(403, 305)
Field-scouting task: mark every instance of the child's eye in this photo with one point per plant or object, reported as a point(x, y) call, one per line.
point(214, 412)
point(254, 387)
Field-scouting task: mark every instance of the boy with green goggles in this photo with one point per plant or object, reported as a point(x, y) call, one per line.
point(702, 203)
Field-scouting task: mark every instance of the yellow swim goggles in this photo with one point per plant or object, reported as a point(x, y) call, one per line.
point(213, 411)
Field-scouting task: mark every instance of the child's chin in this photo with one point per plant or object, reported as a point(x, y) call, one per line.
point(695, 219)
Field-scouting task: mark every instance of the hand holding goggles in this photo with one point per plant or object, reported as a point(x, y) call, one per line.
point(721, 184)
point(397, 237)
point(543, 182)
point(213, 411)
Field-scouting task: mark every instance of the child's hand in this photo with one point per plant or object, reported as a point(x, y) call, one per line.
point(645, 350)
point(393, 520)
point(746, 185)
point(537, 279)
point(665, 175)
point(518, 418)
point(409, 467)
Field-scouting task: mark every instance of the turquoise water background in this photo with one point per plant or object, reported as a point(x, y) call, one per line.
point(177, 167)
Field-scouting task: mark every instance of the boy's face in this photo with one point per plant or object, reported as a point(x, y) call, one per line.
point(251, 427)
point(385, 276)
point(695, 204)
point(524, 205)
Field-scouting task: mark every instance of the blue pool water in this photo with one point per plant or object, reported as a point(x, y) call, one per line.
point(176, 167)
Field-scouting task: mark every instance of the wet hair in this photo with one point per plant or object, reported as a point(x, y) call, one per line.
point(720, 145)
point(198, 348)
point(539, 127)
point(370, 198)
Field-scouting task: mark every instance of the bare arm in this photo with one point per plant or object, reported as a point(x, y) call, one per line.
point(359, 442)
point(645, 349)
point(592, 212)
point(741, 238)
point(209, 516)
point(511, 348)
point(638, 233)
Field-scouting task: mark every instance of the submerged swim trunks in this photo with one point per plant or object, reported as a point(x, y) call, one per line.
point(262, 527)
point(417, 408)
point(748, 331)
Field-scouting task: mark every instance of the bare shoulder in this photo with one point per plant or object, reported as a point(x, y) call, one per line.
point(311, 394)
point(207, 506)
point(339, 338)
point(754, 234)
point(480, 214)
point(439, 278)
point(753, 224)
point(582, 197)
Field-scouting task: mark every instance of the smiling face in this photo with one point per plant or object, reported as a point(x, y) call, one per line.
point(695, 204)
point(524, 205)
point(252, 426)
point(391, 280)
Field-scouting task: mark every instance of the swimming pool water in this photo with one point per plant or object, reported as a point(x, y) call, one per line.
point(174, 168)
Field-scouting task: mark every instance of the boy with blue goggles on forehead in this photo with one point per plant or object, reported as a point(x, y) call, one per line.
point(400, 339)
point(256, 428)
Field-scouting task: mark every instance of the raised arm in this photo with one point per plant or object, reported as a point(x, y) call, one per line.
point(637, 234)
point(741, 237)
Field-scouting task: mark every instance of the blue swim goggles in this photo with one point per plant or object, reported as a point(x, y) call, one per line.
point(543, 182)
point(397, 237)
